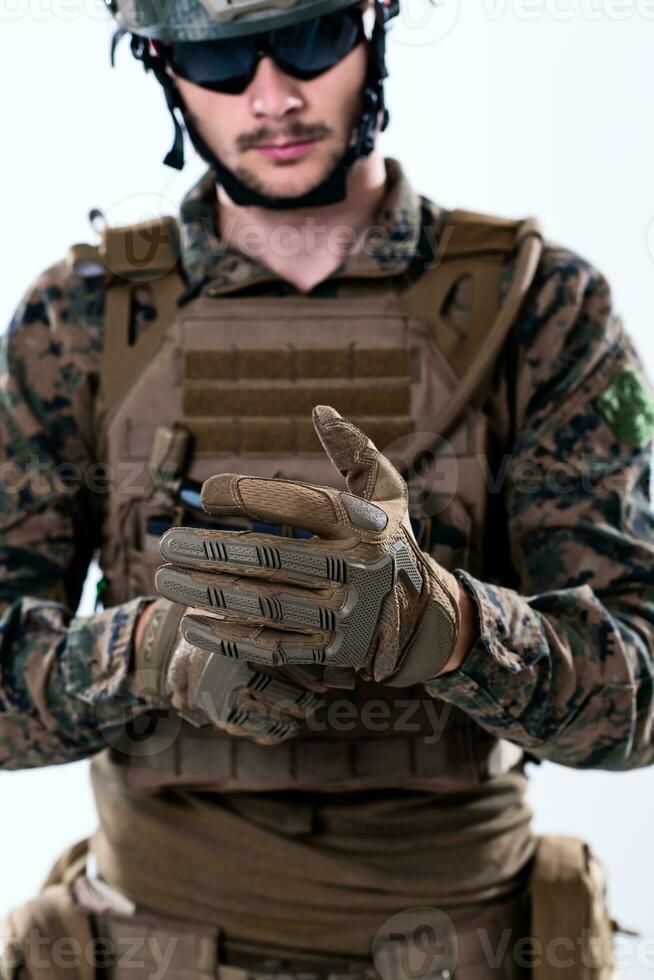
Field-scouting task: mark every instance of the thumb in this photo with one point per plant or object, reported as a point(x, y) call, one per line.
point(368, 473)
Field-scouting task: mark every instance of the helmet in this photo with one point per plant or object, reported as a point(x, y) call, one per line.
point(168, 21)
point(206, 20)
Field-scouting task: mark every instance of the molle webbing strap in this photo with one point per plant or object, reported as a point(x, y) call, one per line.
point(204, 757)
point(248, 400)
point(297, 400)
point(287, 435)
point(291, 363)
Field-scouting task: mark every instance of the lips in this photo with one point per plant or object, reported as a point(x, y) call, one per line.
point(286, 151)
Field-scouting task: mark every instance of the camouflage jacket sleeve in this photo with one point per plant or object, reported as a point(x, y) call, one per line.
point(54, 670)
point(565, 661)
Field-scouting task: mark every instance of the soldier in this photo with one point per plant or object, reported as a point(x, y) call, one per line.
point(309, 735)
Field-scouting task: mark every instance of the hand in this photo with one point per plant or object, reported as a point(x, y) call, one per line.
point(232, 695)
point(360, 596)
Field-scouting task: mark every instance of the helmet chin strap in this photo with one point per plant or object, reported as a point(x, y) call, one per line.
point(333, 188)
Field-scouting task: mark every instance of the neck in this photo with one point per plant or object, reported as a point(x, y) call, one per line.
point(306, 245)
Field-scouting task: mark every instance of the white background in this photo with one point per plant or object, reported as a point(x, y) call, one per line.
point(544, 107)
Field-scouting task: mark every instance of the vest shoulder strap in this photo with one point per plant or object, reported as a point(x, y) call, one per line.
point(84, 260)
point(472, 233)
point(463, 297)
point(131, 257)
point(146, 250)
point(143, 251)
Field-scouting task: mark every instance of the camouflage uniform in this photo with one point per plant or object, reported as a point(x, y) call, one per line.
point(563, 666)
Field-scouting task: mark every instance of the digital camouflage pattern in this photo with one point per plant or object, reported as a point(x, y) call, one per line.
point(565, 662)
point(192, 20)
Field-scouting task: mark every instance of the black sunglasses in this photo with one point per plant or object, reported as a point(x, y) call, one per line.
point(303, 51)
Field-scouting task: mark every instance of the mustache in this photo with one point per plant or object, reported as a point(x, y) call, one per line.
point(293, 133)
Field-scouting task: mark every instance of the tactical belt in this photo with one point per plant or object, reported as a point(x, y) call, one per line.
point(429, 944)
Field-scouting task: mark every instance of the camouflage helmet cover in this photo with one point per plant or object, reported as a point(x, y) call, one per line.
point(203, 20)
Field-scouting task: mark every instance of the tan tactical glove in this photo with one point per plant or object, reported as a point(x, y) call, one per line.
point(360, 596)
point(233, 695)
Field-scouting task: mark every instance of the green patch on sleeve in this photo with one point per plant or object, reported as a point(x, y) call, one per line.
point(628, 408)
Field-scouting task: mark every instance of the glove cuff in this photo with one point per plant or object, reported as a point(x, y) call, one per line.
point(436, 634)
point(156, 648)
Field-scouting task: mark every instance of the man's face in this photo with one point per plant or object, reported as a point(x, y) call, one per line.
point(282, 136)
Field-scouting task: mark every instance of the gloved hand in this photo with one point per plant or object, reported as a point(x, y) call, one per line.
point(361, 595)
point(232, 695)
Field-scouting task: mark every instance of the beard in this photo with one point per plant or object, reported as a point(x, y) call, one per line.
point(295, 131)
point(293, 188)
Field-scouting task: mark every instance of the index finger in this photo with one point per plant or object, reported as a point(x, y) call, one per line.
point(245, 553)
point(316, 509)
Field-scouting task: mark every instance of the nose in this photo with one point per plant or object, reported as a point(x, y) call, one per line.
point(272, 93)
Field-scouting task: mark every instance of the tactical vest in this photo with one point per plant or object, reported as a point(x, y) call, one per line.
point(241, 374)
